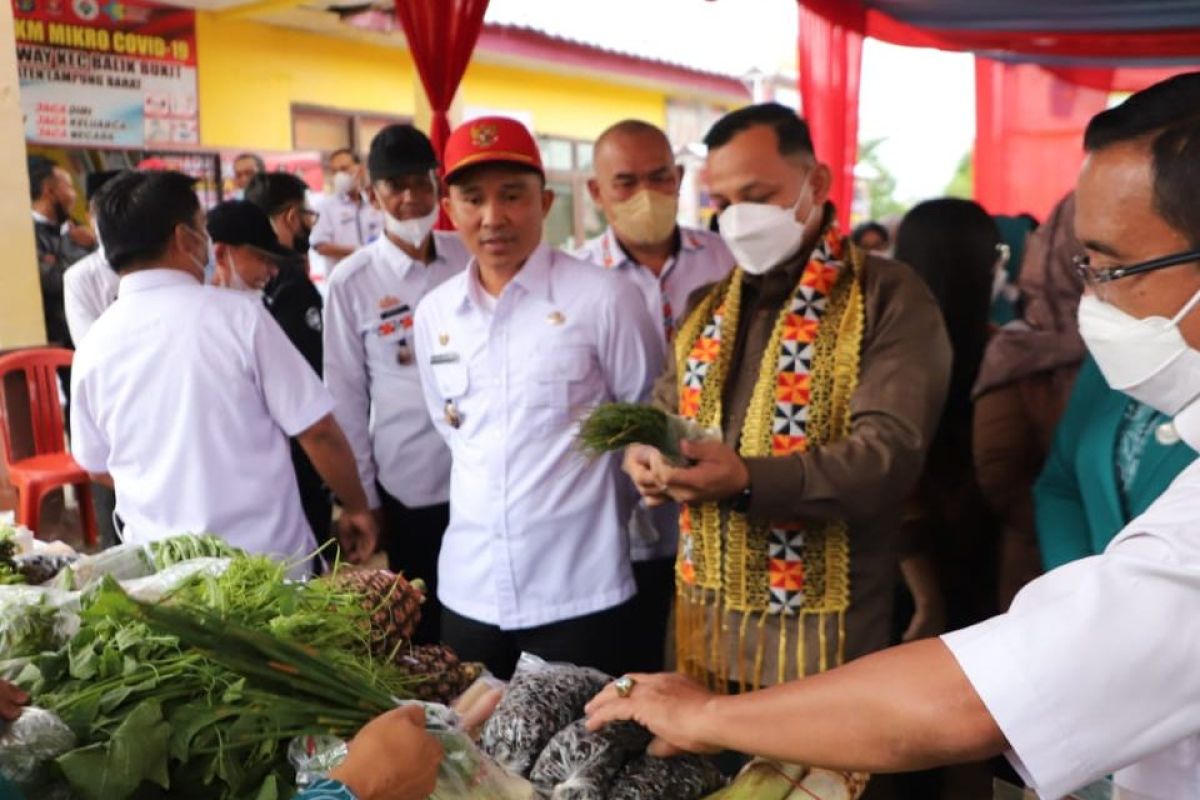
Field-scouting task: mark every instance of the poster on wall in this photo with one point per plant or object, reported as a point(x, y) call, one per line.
point(107, 73)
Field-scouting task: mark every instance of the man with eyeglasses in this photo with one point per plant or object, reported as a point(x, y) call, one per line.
point(1093, 669)
point(370, 365)
point(1114, 452)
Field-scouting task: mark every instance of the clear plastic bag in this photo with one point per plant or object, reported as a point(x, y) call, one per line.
point(685, 777)
point(34, 619)
point(123, 562)
point(579, 764)
point(153, 588)
point(542, 699)
point(465, 774)
point(314, 756)
point(28, 746)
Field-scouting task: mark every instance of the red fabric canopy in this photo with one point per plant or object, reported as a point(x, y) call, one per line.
point(441, 37)
point(1028, 136)
point(1029, 118)
point(830, 67)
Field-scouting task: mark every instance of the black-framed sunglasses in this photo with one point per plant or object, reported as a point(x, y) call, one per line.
point(1095, 277)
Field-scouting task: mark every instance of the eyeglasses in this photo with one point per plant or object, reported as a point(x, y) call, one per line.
point(1096, 277)
point(310, 215)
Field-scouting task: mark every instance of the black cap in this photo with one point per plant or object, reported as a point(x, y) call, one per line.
point(94, 180)
point(400, 150)
point(239, 222)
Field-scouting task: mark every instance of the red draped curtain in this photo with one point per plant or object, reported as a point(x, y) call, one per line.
point(441, 37)
point(830, 67)
point(1029, 126)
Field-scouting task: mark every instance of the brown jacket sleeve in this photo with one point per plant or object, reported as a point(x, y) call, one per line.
point(902, 386)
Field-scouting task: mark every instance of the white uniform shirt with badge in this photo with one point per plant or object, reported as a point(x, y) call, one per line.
point(89, 287)
point(341, 221)
point(370, 368)
point(702, 259)
point(537, 530)
point(1094, 668)
point(187, 394)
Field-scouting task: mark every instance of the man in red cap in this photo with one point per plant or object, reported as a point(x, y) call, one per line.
point(512, 352)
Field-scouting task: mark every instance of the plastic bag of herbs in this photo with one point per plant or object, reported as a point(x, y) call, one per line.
point(131, 561)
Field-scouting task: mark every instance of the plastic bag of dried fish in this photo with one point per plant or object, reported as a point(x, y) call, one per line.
point(679, 778)
point(578, 765)
point(541, 700)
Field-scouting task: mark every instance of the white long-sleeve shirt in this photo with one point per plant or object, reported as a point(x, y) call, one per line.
point(187, 395)
point(89, 287)
point(701, 259)
point(1094, 668)
point(371, 368)
point(537, 530)
point(344, 222)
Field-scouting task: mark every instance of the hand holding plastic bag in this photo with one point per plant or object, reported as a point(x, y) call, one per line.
point(416, 751)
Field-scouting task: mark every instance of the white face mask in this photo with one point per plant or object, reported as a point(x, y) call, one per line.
point(344, 182)
point(235, 279)
point(1147, 359)
point(207, 268)
point(412, 231)
point(762, 235)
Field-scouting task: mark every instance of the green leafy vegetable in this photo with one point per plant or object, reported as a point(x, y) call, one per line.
point(615, 426)
point(226, 732)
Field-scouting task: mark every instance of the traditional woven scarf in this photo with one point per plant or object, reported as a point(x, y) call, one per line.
point(791, 569)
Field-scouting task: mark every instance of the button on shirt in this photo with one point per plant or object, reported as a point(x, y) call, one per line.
point(700, 259)
point(187, 394)
point(371, 368)
point(343, 222)
point(89, 287)
point(1093, 670)
point(537, 530)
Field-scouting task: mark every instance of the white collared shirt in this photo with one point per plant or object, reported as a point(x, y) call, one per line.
point(1094, 669)
point(89, 287)
point(187, 394)
point(371, 368)
point(64, 228)
point(537, 530)
point(343, 222)
point(703, 258)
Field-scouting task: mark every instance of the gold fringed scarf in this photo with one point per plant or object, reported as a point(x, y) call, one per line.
point(790, 570)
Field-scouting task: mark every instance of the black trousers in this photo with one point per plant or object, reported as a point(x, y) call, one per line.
point(315, 502)
point(597, 640)
point(650, 613)
point(412, 539)
point(104, 504)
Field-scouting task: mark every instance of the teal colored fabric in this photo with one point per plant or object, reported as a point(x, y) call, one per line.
point(8, 791)
point(1138, 423)
point(326, 790)
point(1078, 502)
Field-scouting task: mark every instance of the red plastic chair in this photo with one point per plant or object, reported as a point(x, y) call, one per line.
point(50, 466)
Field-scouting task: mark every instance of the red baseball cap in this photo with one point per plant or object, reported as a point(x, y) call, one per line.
point(491, 139)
